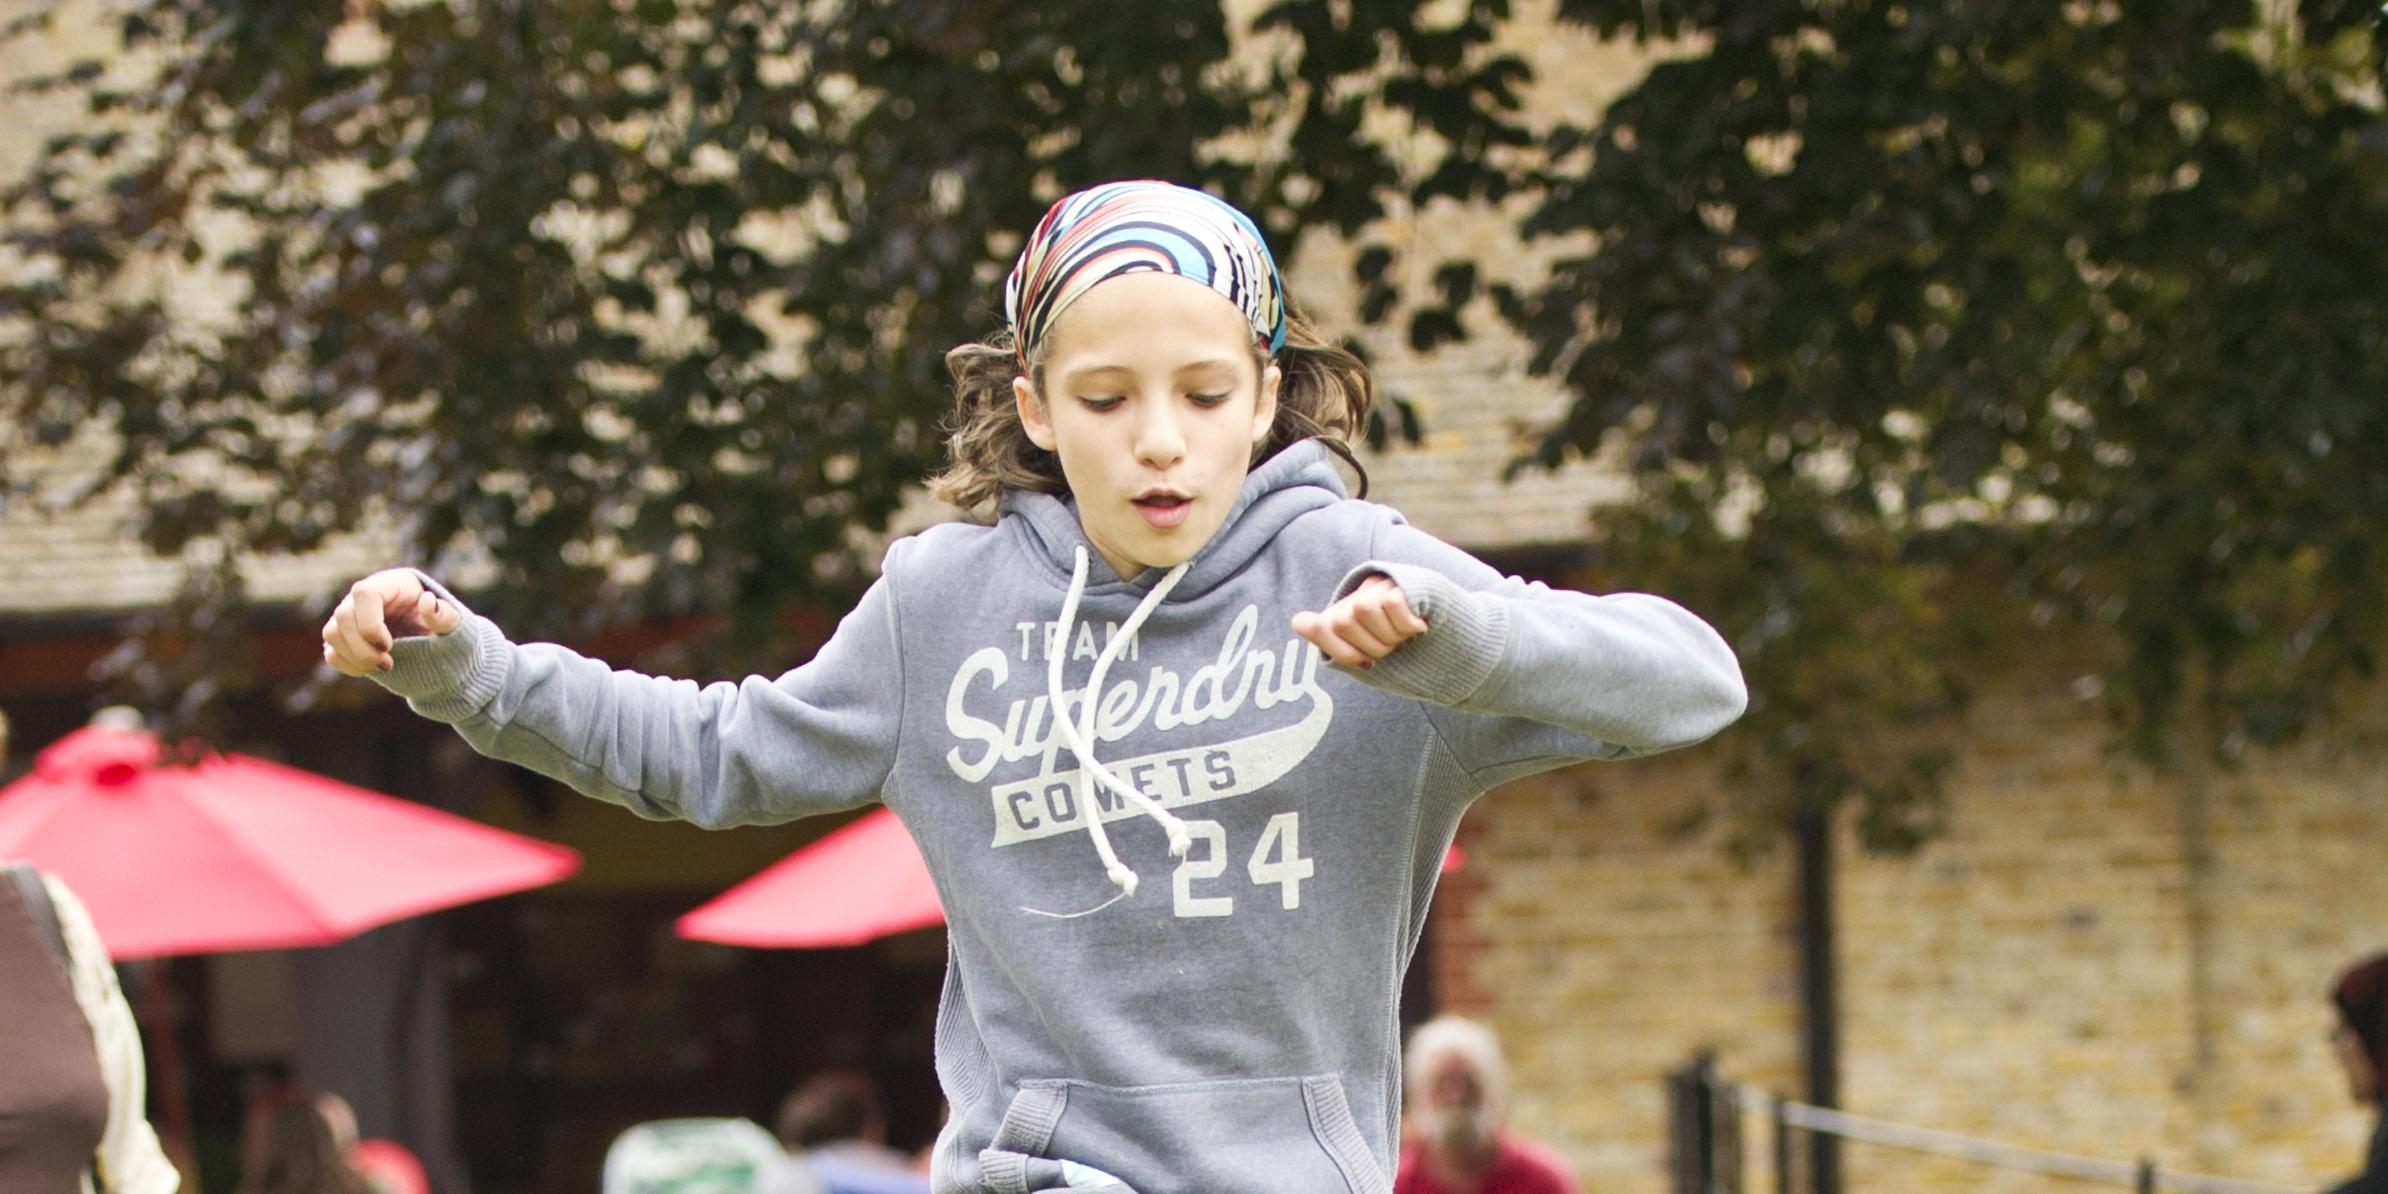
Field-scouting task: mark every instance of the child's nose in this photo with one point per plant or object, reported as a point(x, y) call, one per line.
point(1160, 442)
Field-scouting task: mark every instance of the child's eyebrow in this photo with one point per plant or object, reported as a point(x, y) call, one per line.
point(1089, 374)
point(1082, 377)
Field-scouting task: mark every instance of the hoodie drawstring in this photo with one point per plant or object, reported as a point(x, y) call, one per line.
point(1081, 736)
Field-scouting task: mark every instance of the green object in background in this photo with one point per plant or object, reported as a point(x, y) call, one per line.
point(690, 1156)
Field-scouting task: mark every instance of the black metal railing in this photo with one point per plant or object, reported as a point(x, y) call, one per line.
point(1708, 1114)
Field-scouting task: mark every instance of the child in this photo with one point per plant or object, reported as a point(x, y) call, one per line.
point(1183, 864)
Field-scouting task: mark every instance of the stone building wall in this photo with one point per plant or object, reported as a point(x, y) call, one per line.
point(2053, 972)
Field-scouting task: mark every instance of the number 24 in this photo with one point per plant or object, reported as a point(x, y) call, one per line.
point(1276, 859)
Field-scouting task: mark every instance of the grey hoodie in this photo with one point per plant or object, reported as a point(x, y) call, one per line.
point(1231, 1025)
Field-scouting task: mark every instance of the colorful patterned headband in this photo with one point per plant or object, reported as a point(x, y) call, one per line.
point(1130, 227)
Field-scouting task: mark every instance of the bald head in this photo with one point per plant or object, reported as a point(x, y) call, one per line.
point(1457, 1085)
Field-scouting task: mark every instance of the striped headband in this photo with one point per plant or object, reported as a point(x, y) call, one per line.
point(1130, 227)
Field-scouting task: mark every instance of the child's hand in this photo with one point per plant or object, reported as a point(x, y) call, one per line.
point(1363, 627)
point(378, 611)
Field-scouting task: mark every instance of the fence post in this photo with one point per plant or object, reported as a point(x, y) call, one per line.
point(2147, 1175)
point(1782, 1145)
point(1692, 1126)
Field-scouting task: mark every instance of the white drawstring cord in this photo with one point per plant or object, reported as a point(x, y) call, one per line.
point(1081, 737)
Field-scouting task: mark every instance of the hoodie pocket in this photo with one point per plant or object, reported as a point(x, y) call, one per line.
point(1241, 1136)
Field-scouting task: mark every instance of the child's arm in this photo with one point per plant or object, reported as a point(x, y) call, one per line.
point(817, 739)
point(1424, 619)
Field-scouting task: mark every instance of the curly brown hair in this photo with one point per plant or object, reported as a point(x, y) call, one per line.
point(1325, 394)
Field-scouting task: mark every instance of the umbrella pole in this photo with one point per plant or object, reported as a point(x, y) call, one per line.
point(165, 1055)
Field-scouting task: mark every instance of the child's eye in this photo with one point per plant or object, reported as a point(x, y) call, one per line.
point(1209, 399)
point(1099, 405)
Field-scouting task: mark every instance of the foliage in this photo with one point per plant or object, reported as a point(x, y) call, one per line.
point(556, 286)
point(1937, 326)
point(1925, 328)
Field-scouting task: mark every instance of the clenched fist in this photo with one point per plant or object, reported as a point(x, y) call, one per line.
point(1363, 627)
point(378, 611)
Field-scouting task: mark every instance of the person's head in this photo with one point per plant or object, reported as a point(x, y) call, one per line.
point(292, 1148)
point(1458, 1086)
point(337, 1112)
point(2361, 1034)
point(831, 1107)
point(1151, 358)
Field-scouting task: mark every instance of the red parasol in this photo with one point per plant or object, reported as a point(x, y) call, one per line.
point(859, 883)
point(238, 853)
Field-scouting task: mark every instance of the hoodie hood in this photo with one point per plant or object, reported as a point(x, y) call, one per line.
point(1298, 479)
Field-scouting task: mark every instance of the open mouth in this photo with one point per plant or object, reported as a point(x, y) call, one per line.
point(1164, 510)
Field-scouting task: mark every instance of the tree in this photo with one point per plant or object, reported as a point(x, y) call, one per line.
point(661, 281)
point(1922, 327)
point(1927, 328)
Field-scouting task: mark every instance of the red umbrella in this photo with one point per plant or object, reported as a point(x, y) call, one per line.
point(859, 883)
point(238, 853)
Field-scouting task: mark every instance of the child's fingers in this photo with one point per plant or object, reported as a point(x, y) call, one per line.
point(333, 653)
point(1367, 641)
point(355, 655)
point(337, 653)
point(372, 624)
point(1386, 611)
point(1378, 620)
point(1315, 629)
point(1344, 621)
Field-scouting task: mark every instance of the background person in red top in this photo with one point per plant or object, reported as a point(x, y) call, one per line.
point(1454, 1138)
point(386, 1165)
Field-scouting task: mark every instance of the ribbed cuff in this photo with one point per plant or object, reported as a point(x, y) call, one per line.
point(1003, 1171)
point(448, 677)
point(1465, 636)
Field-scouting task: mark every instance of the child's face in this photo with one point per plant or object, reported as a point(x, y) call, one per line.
point(1155, 403)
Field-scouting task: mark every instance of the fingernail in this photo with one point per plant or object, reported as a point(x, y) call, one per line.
point(1367, 663)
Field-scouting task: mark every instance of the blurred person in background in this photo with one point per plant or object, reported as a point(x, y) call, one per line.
point(72, 1090)
point(387, 1166)
point(1455, 1138)
point(2361, 1038)
point(834, 1127)
point(291, 1147)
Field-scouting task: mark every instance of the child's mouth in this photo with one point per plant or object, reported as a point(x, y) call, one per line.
point(1164, 511)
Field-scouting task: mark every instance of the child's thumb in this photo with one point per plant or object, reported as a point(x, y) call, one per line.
point(438, 616)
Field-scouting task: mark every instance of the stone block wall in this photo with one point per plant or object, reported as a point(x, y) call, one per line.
point(2055, 971)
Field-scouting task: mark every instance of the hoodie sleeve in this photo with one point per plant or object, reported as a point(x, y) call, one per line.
point(817, 739)
point(1527, 676)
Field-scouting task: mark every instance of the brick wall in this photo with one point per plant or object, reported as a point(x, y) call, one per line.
point(2052, 972)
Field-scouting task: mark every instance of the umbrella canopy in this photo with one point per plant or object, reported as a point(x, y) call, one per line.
point(857, 884)
point(238, 853)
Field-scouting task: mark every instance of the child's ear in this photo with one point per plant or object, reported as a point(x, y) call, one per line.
point(1264, 412)
point(1032, 413)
